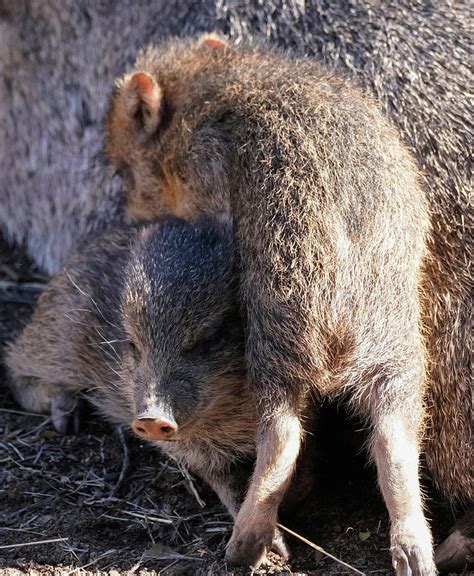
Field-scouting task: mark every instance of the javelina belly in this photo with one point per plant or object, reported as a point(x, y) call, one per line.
point(331, 226)
point(147, 322)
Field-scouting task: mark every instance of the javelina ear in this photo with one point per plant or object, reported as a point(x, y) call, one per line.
point(213, 40)
point(143, 102)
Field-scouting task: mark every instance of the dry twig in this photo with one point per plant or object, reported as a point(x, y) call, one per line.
point(34, 543)
point(319, 549)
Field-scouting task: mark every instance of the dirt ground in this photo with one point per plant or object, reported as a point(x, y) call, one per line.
point(108, 504)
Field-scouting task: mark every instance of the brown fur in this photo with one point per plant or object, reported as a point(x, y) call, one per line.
point(331, 225)
point(56, 189)
point(412, 56)
point(158, 296)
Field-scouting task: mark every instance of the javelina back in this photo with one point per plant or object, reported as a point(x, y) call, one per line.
point(147, 322)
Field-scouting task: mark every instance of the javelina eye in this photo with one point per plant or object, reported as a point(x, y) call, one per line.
point(133, 349)
point(208, 344)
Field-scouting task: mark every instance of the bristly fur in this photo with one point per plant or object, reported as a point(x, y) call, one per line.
point(411, 56)
point(332, 228)
point(79, 340)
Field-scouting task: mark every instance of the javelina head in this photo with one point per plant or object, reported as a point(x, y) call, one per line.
point(151, 131)
point(180, 313)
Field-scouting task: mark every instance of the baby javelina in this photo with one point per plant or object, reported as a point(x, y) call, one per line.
point(147, 321)
point(331, 226)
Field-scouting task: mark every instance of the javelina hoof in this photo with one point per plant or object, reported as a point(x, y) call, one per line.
point(280, 546)
point(413, 559)
point(249, 549)
point(65, 414)
point(456, 553)
point(410, 562)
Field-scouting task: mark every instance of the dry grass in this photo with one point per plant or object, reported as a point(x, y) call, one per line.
point(69, 496)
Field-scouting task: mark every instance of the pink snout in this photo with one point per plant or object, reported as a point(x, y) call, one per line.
point(155, 428)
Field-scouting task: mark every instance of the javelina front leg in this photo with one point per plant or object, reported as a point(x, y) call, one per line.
point(255, 528)
point(65, 413)
point(396, 453)
point(230, 483)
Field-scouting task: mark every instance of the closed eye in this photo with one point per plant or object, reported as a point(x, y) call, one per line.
point(133, 349)
point(208, 344)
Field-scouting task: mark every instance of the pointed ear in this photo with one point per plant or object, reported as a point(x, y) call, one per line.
point(143, 102)
point(213, 40)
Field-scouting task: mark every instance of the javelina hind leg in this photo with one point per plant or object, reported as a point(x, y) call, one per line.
point(255, 528)
point(35, 395)
point(396, 453)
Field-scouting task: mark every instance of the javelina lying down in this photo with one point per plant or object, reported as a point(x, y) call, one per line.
point(147, 320)
point(331, 225)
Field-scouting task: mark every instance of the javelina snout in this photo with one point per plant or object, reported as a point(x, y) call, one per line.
point(151, 424)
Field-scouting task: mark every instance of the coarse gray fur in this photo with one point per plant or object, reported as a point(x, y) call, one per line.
point(161, 332)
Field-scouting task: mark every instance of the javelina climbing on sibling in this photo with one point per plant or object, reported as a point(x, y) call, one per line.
point(331, 225)
point(413, 56)
point(57, 66)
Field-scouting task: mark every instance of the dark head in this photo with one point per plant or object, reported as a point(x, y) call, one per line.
point(180, 312)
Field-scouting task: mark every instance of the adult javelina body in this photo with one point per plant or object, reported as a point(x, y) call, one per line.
point(331, 226)
point(156, 341)
point(412, 55)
